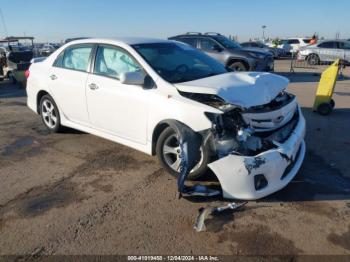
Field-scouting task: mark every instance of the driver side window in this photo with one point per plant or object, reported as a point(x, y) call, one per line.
point(207, 44)
point(112, 61)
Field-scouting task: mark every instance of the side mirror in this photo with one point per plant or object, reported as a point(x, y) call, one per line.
point(132, 78)
point(217, 48)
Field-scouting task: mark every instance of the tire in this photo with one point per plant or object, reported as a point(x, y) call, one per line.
point(50, 115)
point(324, 109)
point(168, 138)
point(313, 59)
point(332, 103)
point(238, 66)
point(11, 77)
point(1, 79)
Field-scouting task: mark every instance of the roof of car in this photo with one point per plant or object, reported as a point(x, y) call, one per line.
point(197, 34)
point(125, 40)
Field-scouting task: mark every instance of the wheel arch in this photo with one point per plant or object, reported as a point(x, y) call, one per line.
point(40, 94)
point(232, 60)
point(161, 126)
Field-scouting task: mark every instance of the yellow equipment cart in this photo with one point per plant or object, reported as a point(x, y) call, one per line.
point(324, 103)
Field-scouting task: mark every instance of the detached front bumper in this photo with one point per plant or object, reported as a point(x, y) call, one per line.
point(239, 175)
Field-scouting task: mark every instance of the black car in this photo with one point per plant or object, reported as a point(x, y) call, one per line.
point(228, 52)
point(277, 52)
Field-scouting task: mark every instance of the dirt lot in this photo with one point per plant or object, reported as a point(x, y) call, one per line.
point(74, 193)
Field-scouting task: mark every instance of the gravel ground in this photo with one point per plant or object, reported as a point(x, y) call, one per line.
point(74, 193)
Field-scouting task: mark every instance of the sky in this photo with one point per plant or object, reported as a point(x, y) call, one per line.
point(56, 20)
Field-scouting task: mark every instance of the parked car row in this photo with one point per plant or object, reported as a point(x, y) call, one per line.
point(325, 51)
point(276, 52)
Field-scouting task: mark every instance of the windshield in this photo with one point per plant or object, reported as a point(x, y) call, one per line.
point(176, 62)
point(227, 43)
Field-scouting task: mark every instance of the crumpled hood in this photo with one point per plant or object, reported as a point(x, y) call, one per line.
point(245, 89)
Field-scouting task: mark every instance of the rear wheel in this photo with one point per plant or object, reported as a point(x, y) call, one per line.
point(313, 59)
point(50, 114)
point(11, 77)
point(325, 109)
point(238, 66)
point(168, 152)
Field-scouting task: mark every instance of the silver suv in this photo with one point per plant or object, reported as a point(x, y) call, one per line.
point(228, 52)
point(325, 51)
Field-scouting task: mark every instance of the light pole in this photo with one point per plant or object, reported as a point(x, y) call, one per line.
point(263, 29)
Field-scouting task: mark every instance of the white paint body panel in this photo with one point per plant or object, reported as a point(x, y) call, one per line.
point(245, 89)
point(238, 182)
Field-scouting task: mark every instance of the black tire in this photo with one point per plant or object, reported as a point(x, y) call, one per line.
point(1, 79)
point(332, 103)
point(324, 109)
point(56, 127)
point(238, 66)
point(12, 78)
point(196, 172)
point(313, 59)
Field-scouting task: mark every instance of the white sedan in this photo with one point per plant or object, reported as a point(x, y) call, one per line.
point(134, 91)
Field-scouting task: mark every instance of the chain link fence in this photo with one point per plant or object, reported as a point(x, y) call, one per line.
point(317, 62)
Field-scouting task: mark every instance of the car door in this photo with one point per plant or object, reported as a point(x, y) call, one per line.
point(347, 50)
point(116, 108)
point(344, 48)
point(328, 51)
point(295, 44)
point(212, 48)
point(67, 82)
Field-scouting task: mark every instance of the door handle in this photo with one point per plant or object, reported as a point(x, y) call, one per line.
point(93, 86)
point(53, 77)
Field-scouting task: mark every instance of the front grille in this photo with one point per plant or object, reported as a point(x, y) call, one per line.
point(283, 133)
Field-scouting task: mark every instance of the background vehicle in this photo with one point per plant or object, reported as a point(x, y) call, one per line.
point(228, 52)
point(292, 45)
point(277, 52)
point(48, 49)
point(325, 51)
point(17, 57)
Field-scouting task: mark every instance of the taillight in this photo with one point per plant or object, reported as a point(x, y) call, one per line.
point(27, 73)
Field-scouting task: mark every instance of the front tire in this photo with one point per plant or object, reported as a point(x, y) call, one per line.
point(168, 153)
point(50, 114)
point(313, 59)
point(237, 67)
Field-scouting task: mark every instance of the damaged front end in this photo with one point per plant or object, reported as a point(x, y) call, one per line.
point(257, 150)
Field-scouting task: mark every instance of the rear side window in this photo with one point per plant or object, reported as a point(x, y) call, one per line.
point(207, 44)
point(293, 41)
point(112, 61)
point(59, 60)
point(327, 45)
point(344, 45)
point(77, 58)
point(187, 40)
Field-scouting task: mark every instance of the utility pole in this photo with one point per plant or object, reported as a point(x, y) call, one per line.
point(3, 22)
point(263, 31)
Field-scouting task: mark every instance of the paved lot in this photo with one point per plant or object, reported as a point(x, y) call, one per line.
point(75, 193)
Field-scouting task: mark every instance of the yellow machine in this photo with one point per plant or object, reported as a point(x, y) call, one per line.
point(324, 103)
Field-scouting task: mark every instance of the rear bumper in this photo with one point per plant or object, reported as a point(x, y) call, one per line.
point(279, 165)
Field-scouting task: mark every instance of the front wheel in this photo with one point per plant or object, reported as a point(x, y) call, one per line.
point(50, 114)
point(168, 153)
point(238, 66)
point(313, 59)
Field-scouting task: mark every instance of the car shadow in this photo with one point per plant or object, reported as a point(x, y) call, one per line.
point(9, 90)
